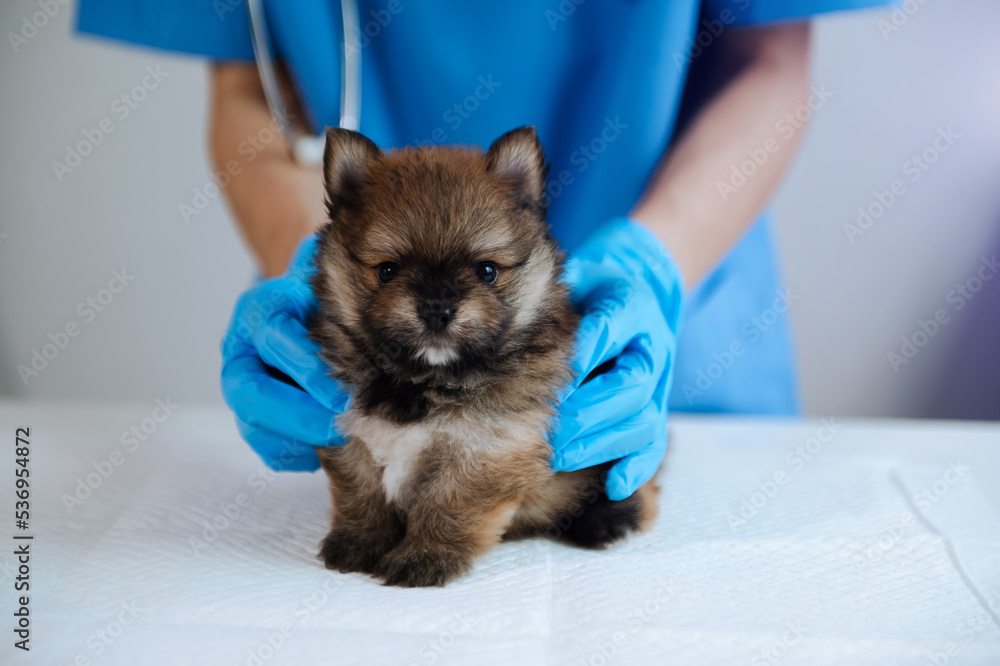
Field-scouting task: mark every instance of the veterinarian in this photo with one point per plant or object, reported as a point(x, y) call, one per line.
point(668, 123)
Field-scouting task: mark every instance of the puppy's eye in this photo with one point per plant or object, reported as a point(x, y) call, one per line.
point(486, 271)
point(386, 271)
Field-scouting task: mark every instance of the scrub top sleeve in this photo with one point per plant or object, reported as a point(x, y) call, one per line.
point(749, 12)
point(215, 28)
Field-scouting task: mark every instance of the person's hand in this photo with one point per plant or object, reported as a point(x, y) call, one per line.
point(628, 289)
point(265, 350)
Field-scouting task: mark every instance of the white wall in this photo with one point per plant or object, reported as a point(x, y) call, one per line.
point(159, 337)
point(940, 70)
point(119, 208)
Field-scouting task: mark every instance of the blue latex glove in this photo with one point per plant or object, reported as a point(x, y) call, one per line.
point(281, 421)
point(629, 290)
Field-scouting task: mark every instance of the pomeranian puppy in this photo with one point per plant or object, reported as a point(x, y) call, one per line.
point(441, 308)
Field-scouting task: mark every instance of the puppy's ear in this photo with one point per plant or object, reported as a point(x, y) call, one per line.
point(347, 161)
point(518, 157)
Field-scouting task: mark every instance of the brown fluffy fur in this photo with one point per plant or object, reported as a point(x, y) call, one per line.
point(448, 447)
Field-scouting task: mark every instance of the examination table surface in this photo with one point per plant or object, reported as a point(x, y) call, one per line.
point(830, 541)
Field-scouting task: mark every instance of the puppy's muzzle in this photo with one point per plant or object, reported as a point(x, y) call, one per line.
point(436, 315)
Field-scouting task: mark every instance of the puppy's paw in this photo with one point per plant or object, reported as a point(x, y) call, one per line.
point(348, 550)
point(604, 522)
point(408, 565)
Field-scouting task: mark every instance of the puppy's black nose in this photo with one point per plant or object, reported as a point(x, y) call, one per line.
point(436, 315)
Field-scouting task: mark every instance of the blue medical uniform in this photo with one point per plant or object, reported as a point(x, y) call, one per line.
point(601, 80)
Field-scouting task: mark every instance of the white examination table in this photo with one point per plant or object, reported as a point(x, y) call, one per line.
point(883, 547)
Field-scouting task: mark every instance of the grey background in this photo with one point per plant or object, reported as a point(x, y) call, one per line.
point(159, 337)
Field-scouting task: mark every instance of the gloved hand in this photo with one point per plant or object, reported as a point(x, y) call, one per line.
point(629, 290)
point(281, 421)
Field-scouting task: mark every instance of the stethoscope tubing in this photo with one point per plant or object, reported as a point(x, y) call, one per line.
point(307, 149)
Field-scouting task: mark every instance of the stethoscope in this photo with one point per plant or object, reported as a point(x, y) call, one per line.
point(307, 149)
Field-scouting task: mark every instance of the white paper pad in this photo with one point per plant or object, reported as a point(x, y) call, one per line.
point(189, 552)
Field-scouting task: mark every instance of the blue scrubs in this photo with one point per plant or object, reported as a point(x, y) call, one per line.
point(600, 80)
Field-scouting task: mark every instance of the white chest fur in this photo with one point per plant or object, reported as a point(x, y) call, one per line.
point(394, 447)
point(398, 448)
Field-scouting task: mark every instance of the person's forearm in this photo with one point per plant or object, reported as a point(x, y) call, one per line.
point(684, 205)
point(275, 202)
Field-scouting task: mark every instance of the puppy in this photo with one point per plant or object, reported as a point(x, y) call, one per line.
point(440, 306)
